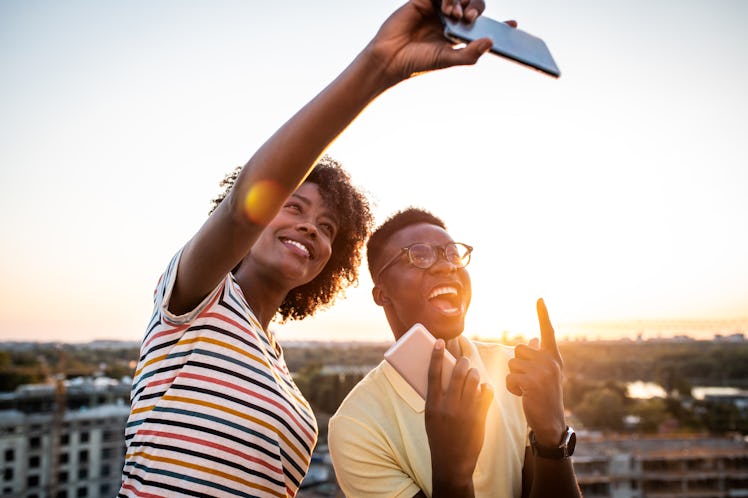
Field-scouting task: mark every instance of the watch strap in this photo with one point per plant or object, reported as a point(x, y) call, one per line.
point(564, 449)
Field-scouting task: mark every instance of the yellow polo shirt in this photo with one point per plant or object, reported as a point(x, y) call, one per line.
point(378, 442)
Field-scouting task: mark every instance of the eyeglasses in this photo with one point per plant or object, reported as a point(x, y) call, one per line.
point(424, 256)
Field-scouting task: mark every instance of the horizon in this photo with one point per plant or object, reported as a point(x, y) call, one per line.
point(640, 331)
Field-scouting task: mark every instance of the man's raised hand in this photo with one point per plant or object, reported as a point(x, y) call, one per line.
point(535, 374)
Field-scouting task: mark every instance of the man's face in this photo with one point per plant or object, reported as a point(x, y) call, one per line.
point(438, 297)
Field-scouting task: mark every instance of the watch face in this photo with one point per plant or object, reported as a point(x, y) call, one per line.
point(571, 441)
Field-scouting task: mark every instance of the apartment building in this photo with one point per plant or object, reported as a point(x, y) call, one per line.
point(667, 466)
point(64, 440)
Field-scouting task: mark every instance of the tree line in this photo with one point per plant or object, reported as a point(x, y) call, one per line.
point(596, 375)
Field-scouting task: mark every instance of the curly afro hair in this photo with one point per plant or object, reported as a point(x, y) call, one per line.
point(355, 224)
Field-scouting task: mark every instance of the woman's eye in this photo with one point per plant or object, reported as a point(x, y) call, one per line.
point(327, 228)
point(293, 206)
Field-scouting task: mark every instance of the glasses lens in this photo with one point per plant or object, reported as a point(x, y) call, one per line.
point(457, 254)
point(422, 255)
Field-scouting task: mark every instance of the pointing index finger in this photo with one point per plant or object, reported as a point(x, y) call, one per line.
point(547, 334)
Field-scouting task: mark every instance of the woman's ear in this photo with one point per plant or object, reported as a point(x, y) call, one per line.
point(379, 296)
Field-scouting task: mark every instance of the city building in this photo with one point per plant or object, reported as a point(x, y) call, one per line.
point(64, 440)
point(672, 466)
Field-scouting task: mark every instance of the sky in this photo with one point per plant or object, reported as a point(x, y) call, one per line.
point(618, 192)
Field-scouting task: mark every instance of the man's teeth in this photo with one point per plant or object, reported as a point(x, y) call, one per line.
point(440, 291)
point(299, 245)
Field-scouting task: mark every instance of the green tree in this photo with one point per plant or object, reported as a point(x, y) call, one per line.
point(651, 412)
point(720, 417)
point(601, 409)
point(5, 359)
point(11, 379)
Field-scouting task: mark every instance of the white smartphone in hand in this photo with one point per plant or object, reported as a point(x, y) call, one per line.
point(411, 357)
point(508, 42)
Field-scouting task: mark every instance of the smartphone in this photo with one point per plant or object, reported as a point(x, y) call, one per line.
point(508, 42)
point(411, 357)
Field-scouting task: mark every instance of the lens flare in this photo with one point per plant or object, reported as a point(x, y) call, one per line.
point(262, 200)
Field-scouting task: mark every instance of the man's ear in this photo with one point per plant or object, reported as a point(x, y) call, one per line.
point(379, 296)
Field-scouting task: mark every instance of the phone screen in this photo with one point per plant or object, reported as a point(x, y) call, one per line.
point(508, 42)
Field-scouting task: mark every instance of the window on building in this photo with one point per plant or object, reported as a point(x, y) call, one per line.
point(62, 477)
point(83, 456)
point(34, 462)
point(84, 436)
point(10, 455)
point(8, 474)
point(32, 481)
point(64, 457)
point(82, 492)
point(596, 489)
point(62, 493)
point(65, 439)
point(106, 470)
point(83, 473)
point(35, 442)
point(105, 490)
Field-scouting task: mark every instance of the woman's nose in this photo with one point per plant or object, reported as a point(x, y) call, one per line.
point(307, 227)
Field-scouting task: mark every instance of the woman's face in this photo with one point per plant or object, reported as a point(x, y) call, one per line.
point(297, 244)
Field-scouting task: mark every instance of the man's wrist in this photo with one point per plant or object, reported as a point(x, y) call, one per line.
point(564, 448)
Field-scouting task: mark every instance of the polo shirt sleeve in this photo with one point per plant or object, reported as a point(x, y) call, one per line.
point(364, 464)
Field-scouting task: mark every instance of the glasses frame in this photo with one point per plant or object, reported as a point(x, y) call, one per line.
point(441, 251)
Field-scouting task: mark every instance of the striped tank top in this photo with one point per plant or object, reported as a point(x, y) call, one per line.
point(214, 410)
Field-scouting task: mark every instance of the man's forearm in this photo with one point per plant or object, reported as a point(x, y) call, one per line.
point(444, 489)
point(553, 478)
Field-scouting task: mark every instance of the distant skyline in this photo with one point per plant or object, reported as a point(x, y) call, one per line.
point(650, 331)
point(617, 192)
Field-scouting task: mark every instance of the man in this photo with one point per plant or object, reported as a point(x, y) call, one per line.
point(472, 439)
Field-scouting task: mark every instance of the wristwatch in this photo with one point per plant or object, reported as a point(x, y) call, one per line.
point(564, 449)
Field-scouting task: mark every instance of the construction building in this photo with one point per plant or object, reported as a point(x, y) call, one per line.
point(63, 440)
point(666, 466)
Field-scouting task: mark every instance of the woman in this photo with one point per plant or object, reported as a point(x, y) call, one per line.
point(214, 409)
